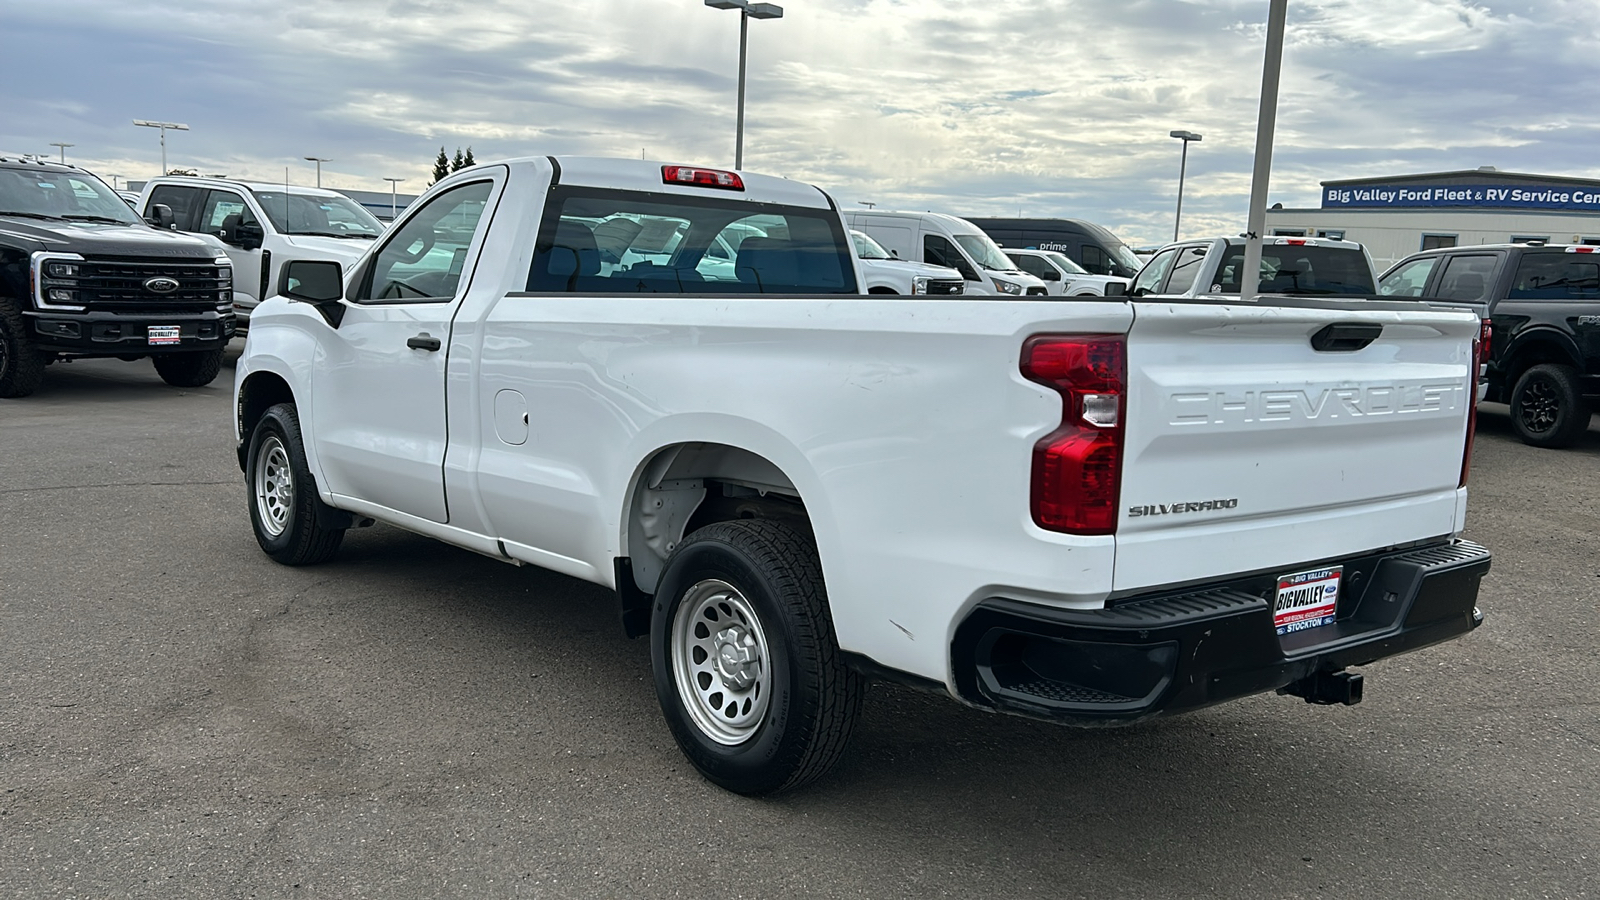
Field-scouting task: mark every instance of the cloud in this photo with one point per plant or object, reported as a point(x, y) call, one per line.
point(964, 106)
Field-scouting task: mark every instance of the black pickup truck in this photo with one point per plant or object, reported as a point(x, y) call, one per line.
point(1543, 301)
point(81, 275)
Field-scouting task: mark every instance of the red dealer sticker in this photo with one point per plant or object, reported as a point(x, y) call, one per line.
point(1306, 599)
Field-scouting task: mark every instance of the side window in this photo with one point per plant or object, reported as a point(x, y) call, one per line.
point(1409, 279)
point(1096, 262)
point(1033, 265)
point(941, 252)
point(1557, 276)
point(183, 201)
point(1154, 272)
point(219, 207)
point(424, 259)
point(1466, 277)
point(1184, 269)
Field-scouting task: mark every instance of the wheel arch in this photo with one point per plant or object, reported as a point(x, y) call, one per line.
point(258, 392)
point(1536, 346)
point(686, 485)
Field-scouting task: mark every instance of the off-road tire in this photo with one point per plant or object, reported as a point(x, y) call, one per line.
point(814, 699)
point(21, 365)
point(1547, 407)
point(285, 512)
point(196, 368)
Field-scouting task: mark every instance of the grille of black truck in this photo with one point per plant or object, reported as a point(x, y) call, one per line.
point(165, 284)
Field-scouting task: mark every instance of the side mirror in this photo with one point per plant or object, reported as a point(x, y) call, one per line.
point(319, 282)
point(1115, 289)
point(895, 253)
point(159, 215)
point(249, 235)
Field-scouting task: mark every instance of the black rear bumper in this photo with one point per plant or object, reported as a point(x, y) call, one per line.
point(1176, 652)
point(99, 333)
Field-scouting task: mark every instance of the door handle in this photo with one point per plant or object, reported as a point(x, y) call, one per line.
point(423, 341)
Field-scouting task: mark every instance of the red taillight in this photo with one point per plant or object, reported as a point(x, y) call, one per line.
point(1480, 360)
point(1077, 469)
point(711, 178)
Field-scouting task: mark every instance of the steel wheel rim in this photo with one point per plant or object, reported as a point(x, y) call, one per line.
point(274, 486)
point(1540, 405)
point(721, 663)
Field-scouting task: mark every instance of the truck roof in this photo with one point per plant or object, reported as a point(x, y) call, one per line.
point(646, 175)
point(213, 181)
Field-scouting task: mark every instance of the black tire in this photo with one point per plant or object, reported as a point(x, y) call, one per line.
point(197, 368)
point(1547, 407)
point(800, 729)
point(285, 512)
point(21, 364)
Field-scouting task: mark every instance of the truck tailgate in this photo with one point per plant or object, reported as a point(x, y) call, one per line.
point(1247, 449)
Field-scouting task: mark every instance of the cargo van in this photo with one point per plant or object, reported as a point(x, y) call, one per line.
point(948, 241)
point(1096, 249)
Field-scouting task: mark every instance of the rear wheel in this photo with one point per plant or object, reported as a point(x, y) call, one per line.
point(747, 669)
point(21, 365)
point(285, 511)
point(1547, 407)
point(193, 369)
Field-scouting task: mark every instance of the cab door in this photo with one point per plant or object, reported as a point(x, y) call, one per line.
point(220, 217)
point(379, 392)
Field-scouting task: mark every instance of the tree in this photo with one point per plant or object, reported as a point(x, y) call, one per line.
point(441, 167)
point(459, 162)
point(468, 161)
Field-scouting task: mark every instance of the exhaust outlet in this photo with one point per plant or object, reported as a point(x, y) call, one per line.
point(1327, 688)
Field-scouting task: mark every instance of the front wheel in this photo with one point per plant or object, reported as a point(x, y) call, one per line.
point(284, 506)
point(1547, 407)
point(193, 369)
point(747, 669)
point(21, 365)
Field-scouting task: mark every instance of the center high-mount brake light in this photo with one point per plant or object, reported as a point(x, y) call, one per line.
point(1077, 469)
point(711, 178)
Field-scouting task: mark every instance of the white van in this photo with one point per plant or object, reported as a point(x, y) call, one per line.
point(948, 241)
point(261, 226)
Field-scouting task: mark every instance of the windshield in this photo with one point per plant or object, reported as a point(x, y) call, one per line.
point(867, 248)
point(1125, 258)
point(985, 252)
point(293, 213)
point(71, 196)
point(1064, 264)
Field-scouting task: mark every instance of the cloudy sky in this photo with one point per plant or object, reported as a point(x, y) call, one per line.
point(973, 107)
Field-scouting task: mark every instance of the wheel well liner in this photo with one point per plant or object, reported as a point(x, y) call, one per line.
point(259, 393)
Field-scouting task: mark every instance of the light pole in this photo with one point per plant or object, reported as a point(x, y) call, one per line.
point(1266, 123)
point(319, 160)
point(63, 147)
point(747, 11)
point(394, 208)
point(1183, 165)
point(175, 126)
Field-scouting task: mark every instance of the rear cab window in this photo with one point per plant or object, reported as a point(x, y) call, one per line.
point(1301, 269)
point(600, 241)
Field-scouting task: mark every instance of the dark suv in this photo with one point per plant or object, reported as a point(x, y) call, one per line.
point(1543, 301)
point(81, 275)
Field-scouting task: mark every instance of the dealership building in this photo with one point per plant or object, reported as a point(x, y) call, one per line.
point(1395, 217)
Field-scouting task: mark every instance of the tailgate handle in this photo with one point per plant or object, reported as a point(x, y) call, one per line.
point(1343, 337)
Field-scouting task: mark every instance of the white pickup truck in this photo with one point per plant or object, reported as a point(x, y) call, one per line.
point(1091, 512)
point(1306, 267)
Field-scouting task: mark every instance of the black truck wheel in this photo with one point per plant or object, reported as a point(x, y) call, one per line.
point(1547, 407)
point(285, 512)
point(747, 669)
point(197, 368)
point(21, 366)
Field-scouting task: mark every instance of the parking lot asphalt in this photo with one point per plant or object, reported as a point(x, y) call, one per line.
point(181, 717)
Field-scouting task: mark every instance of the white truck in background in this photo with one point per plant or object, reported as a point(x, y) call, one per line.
point(942, 240)
point(1087, 512)
point(1291, 266)
point(262, 226)
point(1064, 277)
point(884, 273)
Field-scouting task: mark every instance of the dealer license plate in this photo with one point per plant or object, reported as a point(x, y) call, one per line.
point(165, 334)
point(1306, 599)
